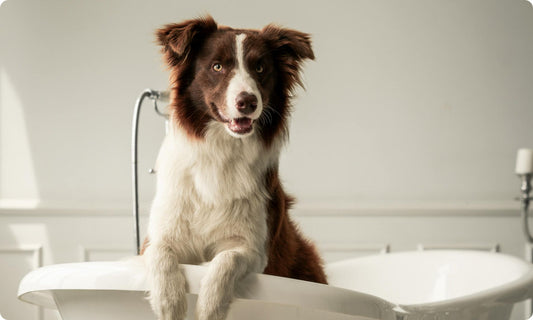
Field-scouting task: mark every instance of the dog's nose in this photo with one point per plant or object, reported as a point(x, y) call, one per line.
point(246, 102)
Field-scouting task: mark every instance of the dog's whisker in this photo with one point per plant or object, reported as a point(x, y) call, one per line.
point(270, 108)
point(267, 117)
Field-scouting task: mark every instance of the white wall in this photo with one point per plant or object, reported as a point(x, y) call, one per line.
point(406, 136)
point(407, 101)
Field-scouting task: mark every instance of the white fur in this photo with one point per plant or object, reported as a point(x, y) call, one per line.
point(241, 81)
point(210, 205)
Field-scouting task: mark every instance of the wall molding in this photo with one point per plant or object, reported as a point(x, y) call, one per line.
point(35, 250)
point(347, 209)
point(302, 209)
point(355, 248)
point(491, 247)
point(85, 252)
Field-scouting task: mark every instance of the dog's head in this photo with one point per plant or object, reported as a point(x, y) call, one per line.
point(241, 79)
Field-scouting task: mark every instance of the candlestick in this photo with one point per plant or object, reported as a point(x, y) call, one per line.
point(524, 161)
point(524, 169)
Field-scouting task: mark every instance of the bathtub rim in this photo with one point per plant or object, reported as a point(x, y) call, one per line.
point(37, 288)
point(512, 292)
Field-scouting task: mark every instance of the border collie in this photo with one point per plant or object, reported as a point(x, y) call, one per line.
point(219, 198)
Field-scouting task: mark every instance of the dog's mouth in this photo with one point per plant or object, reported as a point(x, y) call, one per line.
point(238, 126)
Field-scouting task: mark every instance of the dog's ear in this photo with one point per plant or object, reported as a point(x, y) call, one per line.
point(177, 39)
point(290, 42)
point(289, 48)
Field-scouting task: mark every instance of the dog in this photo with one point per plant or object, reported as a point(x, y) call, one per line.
point(219, 198)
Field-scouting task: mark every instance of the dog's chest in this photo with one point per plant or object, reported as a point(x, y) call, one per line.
point(211, 190)
point(217, 170)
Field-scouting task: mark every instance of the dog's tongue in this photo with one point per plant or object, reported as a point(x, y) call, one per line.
point(240, 124)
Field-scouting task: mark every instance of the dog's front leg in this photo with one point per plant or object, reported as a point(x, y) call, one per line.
point(218, 286)
point(168, 283)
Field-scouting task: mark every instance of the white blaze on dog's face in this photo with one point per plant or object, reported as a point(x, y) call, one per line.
point(244, 102)
point(234, 78)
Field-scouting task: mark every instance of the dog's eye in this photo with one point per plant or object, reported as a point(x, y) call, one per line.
point(217, 67)
point(259, 68)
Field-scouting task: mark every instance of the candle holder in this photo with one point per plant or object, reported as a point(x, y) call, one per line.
point(525, 198)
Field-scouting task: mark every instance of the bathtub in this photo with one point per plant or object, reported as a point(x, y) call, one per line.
point(117, 290)
point(451, 285)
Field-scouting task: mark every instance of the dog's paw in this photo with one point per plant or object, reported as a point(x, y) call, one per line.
point(169, 309)
point(214, 298)
point(168, 285)
point(211, 311)
point(168, 296)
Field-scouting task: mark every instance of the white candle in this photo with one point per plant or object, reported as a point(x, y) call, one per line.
point(524, 161)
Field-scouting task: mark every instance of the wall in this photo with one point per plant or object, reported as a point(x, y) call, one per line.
point(405, 138)
point(407, 101)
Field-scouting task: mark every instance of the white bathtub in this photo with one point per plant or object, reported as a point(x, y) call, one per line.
point(117, 290)
point(450, 285)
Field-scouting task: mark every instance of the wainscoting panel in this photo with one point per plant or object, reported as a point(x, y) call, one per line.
point(474, 246)
point(16, 261)
point(103, 254)
point(337, 252)
point(30, 238)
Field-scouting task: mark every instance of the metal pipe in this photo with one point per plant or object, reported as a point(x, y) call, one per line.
point(154, 95)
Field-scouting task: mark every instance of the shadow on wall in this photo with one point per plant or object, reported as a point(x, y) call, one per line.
point(67, 95)
point(428, 91)
point(17, 173)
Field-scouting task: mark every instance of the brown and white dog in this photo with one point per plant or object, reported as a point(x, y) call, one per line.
point(219, 198)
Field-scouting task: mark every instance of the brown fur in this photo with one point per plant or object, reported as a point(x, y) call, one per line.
point(289, 253)
point(189, 48)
